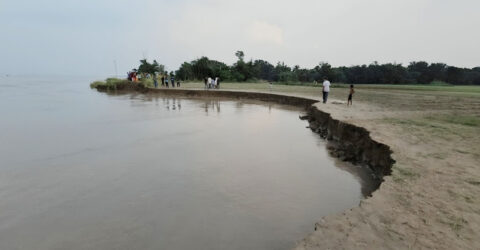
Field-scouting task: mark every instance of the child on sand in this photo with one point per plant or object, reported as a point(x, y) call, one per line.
point(350, 95)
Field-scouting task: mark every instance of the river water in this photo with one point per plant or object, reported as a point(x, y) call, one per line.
point(81, 169)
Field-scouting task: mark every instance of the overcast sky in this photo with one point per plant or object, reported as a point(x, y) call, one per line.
point(85, 37)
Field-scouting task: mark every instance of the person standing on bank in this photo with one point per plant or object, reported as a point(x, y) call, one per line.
point(209, 82)
point(325, 89)
point(214, 83)
point(350, 96)
point(173, 81)
point(163, 80)
point(217, 82)
point(155, 80)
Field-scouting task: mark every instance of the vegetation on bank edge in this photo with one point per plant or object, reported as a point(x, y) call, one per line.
point(260, 70)
point(118, 84)
point(109, 84)
point(115, 83)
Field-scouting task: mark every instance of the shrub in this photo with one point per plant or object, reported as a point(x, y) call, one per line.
point(110, 84)
point(95, 84)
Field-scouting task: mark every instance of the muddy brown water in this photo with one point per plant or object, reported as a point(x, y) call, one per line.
point(81, 169)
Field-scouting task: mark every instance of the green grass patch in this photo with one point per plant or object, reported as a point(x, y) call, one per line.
point(435, 86)
point(148, 83)
point(304, 84)
point(413, 122)
point(464, 120)
point(440, 83)
point(109, 84)
point(439, 125)
point(95, 84)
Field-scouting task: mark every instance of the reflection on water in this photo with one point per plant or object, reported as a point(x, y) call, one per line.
point(172, 104)
point(86, 170)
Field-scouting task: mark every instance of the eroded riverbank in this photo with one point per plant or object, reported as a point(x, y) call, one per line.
point(348, 142)
point(429, 199)
point(150, 170)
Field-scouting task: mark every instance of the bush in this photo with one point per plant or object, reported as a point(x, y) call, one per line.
point(147, 83)
point(110, 84)
point(95, 84)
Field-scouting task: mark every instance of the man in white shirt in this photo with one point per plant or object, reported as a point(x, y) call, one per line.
point(325, 89)
point(209, 82)
point(212, 83)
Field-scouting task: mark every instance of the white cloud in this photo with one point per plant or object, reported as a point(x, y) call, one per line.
point(264, 33)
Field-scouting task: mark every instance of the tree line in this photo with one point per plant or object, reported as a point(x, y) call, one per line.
point(390, 73)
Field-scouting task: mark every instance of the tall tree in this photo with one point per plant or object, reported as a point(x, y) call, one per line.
point(240, 55)
point(150, 68)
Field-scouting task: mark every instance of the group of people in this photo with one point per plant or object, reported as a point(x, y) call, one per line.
point(132, 76)
point(212, 83)
point(326, 91)
point(164, 80)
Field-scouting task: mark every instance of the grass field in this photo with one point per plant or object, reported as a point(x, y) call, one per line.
point(463, 99)
point(469, 90)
